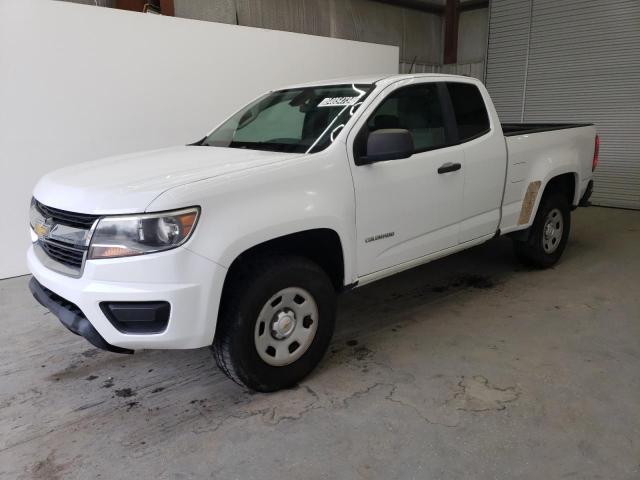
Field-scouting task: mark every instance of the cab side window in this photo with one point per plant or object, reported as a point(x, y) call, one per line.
point(469, 109)
point(417, 109)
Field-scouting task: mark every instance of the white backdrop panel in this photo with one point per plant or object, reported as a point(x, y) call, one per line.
point(79, 82)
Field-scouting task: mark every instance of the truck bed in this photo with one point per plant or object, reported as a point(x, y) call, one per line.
point(534, 150)
point(511, 129)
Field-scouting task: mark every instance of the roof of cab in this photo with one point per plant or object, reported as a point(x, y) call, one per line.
point(380, 80)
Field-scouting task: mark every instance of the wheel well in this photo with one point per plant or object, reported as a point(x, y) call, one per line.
point(565, 184)
point(321, 246)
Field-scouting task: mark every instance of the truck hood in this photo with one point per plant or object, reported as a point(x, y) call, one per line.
point(129, 183)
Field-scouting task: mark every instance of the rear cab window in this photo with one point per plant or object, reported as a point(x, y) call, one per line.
point(469, 110)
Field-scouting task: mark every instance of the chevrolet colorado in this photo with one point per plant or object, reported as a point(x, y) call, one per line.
point(241, 240)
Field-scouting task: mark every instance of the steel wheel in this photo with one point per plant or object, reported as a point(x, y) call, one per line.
point(286, 326)
point(552, 231)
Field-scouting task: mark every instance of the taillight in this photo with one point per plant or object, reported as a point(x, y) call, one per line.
point(596, 153)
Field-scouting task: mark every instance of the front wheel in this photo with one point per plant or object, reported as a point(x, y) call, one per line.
point(548, 235)
point(276, 322)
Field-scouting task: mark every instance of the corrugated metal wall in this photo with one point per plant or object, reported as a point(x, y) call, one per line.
point(574, 61)
point(507, 56)
point(418, 34)
point(473, 69)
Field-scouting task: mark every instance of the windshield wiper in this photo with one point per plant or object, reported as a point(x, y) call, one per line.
point(269, 146)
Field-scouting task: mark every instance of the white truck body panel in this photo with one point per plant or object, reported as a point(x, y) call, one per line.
point(394, 196)
point(248, 197)
point(531, 160)
point(296, 194)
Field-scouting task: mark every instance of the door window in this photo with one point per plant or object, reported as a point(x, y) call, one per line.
point(417, 109)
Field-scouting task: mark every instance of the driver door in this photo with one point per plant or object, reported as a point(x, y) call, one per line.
point(405, 209)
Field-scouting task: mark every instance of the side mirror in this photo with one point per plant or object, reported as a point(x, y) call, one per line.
point(387, 144)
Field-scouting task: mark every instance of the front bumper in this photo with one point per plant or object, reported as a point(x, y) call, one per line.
point(71, 316)
point(191, 284)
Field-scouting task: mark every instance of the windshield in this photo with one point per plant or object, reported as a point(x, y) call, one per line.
point(298, 120)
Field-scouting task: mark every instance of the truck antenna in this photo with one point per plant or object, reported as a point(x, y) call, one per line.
point(413, 63)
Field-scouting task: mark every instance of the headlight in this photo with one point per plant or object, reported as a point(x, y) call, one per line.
point(124, 236)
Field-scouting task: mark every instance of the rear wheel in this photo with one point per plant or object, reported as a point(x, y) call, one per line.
point(276, 322)
point(548, 235)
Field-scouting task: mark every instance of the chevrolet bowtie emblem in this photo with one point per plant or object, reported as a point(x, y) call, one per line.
point(41, 229)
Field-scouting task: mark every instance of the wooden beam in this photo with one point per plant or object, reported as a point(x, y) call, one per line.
point(451, 13)
point(134, 5)
point(166, 8)
point(422, 5)
point(473, 5)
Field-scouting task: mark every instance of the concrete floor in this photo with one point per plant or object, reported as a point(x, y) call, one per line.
point(470, 367)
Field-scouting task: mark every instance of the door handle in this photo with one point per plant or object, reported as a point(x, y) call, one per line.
point(449, 167)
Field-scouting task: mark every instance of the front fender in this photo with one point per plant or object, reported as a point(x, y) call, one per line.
point(247, 208)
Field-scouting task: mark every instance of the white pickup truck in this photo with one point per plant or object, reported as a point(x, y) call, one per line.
point(241, 240)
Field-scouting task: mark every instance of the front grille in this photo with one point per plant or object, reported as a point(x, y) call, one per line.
point(78, 220)
point(63, 237)
point(64, 253)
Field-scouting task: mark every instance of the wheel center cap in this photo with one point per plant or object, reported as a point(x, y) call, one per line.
point(550, 230)
point(283, 324)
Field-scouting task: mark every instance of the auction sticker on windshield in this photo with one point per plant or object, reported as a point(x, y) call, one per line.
point(338, 101)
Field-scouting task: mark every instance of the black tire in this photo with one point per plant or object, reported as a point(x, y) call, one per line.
point(247, 291)
point(531, 252)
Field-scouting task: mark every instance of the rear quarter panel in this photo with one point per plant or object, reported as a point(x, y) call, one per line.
point(534, 159)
